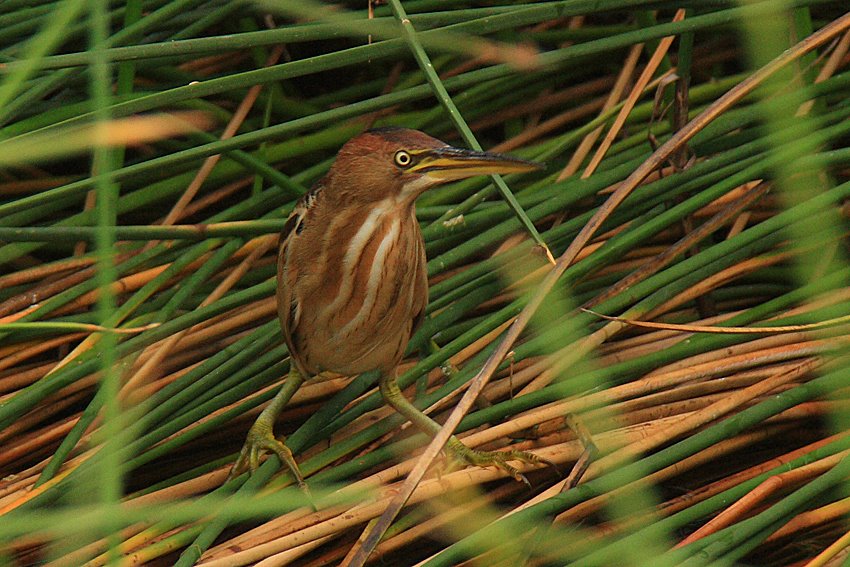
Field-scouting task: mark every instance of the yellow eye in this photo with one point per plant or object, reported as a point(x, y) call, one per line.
point(402, 158)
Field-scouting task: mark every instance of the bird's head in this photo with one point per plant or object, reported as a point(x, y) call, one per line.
point(402, 163)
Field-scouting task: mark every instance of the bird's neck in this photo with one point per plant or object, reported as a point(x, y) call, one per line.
point(400, 205)
point(350, 191)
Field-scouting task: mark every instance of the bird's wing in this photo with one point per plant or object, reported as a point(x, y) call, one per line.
point(288, 309)
point(295, 222)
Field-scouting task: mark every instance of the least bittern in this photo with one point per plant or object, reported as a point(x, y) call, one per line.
point(351, 279)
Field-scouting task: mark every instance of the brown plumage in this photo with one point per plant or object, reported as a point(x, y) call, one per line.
point(352, 280)
point(352, 265)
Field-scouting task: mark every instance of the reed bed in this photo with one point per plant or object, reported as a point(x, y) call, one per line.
point(150, 151)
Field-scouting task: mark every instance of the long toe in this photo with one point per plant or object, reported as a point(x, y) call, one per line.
point(498, 459)
point(241, 464)
point(285, 455)
point(261, 439)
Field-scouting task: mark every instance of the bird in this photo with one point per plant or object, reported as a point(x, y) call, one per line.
point(352, 283)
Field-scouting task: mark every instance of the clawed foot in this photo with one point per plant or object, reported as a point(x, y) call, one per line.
point(499, 459)
point(260, 440)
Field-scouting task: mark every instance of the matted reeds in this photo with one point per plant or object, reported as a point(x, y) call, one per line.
point(151, 150)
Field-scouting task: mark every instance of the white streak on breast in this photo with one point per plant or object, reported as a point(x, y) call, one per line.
point(355, 249)
point(375, 274)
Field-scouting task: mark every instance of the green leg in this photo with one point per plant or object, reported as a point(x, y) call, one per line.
point(499, 459)
point(261, 437)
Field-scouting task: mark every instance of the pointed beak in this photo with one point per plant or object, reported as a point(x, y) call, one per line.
point(448, 163)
